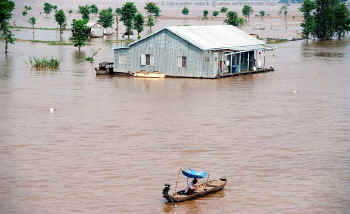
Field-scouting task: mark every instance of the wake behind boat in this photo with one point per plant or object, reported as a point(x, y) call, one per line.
point(210, 186)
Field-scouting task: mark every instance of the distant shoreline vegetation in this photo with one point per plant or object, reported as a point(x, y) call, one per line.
point(214, 3)
point(38, 28)
point(46, 42)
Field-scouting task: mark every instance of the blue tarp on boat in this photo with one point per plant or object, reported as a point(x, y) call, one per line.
point(190, 173)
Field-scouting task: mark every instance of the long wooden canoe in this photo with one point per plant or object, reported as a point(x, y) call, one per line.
point(201, 190)
point(145, 74)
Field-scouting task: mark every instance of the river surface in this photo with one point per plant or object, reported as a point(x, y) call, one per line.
point(282, 138)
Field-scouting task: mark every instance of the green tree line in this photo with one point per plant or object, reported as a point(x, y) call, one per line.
point(325, 19)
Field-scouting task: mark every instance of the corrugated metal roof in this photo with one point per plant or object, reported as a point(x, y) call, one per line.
point(215, 36)
point(212, 37)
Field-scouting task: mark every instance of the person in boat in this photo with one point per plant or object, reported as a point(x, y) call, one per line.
point(191, 187)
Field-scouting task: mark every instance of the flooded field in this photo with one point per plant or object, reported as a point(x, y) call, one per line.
point(281, 138)
point(270, 26)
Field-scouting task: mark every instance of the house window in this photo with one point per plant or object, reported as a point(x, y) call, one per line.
point(147, 59)
point(123, 59)
point(182, 62)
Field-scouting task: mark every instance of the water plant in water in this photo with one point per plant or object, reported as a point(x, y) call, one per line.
point(43, 63)
point(91, 58)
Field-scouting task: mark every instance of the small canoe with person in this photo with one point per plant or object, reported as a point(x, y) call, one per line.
point(194, 188)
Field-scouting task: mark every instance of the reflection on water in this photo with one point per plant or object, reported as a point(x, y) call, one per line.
point(327, 49)
point(281, 138)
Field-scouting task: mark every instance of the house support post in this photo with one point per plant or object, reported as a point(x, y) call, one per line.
point(248, 61)
point(240, 62)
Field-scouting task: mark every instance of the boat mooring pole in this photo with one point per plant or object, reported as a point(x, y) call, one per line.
point(177, 179)
point(208, 177)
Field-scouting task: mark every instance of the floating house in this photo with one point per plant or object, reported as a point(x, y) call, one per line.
point(193, 51)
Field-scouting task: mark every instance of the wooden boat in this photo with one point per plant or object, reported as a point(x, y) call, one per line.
point(146, 74)
point(202, 190)
point(210, 186)
point(104, 68)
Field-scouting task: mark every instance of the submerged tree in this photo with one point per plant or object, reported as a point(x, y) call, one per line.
point(150, 22)
point(128, 12)
point(26, 9)
point(205, 14)
point(325, 19)
point(6, 8)
point(61, 20)
point(79, 33)
point(215, 13)
point(284, 11)
point(223, 10)
point(185, 11)
point(152, 9)
point(94, 9)
point(308, 23)
point(138, 24)
point(233, 19)
point(246, 11)
point(47, 8)
point(342, 20)
point(105, 18)
point(85, 12)
point(32, 21)
point(262, 14)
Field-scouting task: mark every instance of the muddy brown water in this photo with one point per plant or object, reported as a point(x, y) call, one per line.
point(281, 138)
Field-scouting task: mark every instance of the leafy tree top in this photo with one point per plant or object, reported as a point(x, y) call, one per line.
point(152, 8)
point(205, 13)
point(85, 12)
point(79, 32)
point(128, 12)
point(94, 9)
point(32, 21)
point(223, 10)
point(233, 19)
point(60, 17)
point(6, 8)
point(150, 21)
point(47, 8)
point(27, 8)
point(185, 11)
point(215, 13)
point(138, 22)
point(307, 6)
point(262, 13)
point(118, 11)
point(247, 10)
point(105, 18)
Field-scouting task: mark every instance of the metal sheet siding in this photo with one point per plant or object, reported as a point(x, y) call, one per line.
point(166, 47)
point(124, 68)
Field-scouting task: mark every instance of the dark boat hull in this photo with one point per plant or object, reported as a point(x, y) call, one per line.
point(204, 189)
